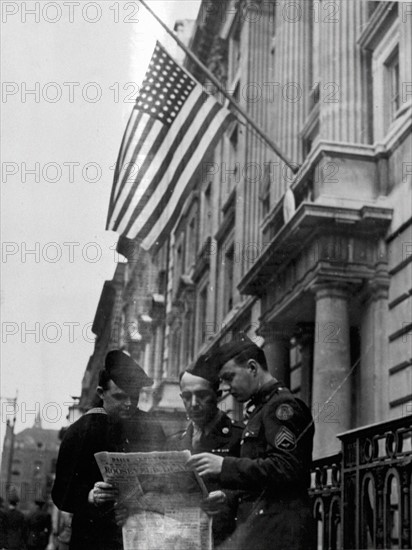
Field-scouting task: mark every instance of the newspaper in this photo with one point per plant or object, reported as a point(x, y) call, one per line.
point(163, 498)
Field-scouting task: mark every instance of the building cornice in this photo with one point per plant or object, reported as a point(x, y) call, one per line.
point(310, 219)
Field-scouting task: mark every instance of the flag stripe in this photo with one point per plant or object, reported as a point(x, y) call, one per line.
point(156, 136)
point(135, 118)
point(113, 193)
point(133, 131)
point(132, 164)
point(163, 225)
point(165, 156)
point(166, 190)
point(169, 152)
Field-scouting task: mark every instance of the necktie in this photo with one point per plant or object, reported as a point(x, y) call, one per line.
point(196, 438)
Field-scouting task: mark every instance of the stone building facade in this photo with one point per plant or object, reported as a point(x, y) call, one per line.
point(313, 262)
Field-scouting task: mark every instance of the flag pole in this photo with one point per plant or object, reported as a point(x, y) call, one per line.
point(212, 78)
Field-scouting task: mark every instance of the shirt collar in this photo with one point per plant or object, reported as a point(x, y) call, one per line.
point(208, 428)
point(265, 392)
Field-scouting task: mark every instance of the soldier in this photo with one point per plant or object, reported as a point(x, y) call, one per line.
point(117, 426)
point(209, 429)
point(273, 471)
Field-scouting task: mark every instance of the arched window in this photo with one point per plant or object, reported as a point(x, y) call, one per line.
point(320, 520)
point(392, 512)
point(368, 513)
point(335, 525)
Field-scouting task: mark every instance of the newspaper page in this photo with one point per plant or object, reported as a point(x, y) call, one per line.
point(163, 498)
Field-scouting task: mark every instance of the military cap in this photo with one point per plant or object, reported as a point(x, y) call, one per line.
point(205, 367)
point(125, 372)
point(242, 346)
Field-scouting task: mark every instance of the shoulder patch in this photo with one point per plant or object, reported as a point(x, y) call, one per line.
point(285, 439)
point(284, 412)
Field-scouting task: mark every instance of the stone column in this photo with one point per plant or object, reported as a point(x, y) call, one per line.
point(373, 371)
point(331, 367)
point(305, 339)
point(277, 352)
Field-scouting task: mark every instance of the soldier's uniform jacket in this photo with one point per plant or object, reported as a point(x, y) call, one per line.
point(273, 473)
point(223, 439)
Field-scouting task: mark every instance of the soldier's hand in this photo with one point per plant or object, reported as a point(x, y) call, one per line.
point(206, 463)
point(102, 493)
point(214, 502)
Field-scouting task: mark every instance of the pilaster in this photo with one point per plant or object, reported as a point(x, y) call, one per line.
point(343, 114)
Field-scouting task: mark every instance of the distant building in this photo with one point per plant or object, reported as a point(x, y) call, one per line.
point(28, 467)
point(107, 326)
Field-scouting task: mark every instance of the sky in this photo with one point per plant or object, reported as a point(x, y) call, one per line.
point(70, 74)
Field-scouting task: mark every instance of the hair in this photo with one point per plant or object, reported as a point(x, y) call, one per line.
point(214, 385)
point(104, 379)
point(255, 353)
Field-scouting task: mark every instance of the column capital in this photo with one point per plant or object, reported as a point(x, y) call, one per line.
point(332, 289)
point(376, 288)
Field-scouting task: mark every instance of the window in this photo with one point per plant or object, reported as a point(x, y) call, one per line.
point(207, 212)
point(191, 243)
point(202, 316)
point(161, 282)
point(234, 51)
point(188, 340)
point(179, 261)
point(175, 362)
point(392, 84)
point(230, 173)
point(386, 77)
point(264, 195)
point(228, 279)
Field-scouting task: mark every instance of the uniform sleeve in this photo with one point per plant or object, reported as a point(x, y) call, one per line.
point(76, 468)
point(280, 447)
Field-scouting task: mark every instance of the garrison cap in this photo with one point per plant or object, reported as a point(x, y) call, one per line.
point(230, 350)
point(126, 373)
point(206, 368)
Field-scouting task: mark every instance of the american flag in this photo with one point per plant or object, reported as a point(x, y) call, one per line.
point(173, 126)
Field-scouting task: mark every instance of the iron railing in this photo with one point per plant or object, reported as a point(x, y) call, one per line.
point(362, 496)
